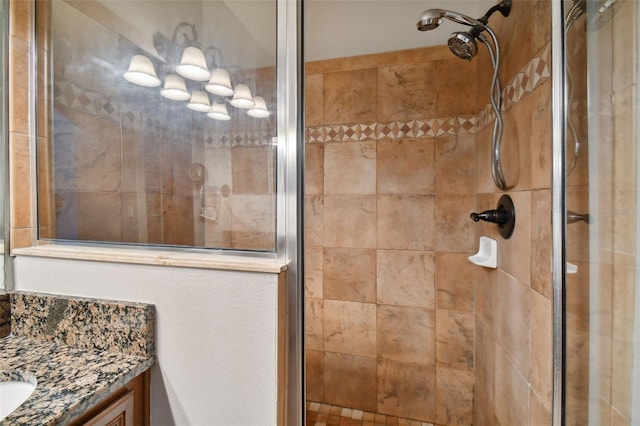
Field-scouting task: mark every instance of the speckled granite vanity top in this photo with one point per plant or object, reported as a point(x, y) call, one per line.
point(79, 350)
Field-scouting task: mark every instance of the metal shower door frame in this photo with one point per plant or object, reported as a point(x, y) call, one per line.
point(558, 213)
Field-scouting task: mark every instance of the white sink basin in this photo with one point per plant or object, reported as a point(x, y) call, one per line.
point(15, 388)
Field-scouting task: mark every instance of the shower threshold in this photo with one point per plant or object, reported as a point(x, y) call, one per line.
point(320, 414)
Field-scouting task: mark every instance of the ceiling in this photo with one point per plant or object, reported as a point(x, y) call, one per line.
point(340, 28)
point(246, 29)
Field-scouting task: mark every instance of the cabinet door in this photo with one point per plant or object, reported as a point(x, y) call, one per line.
point(119, 413)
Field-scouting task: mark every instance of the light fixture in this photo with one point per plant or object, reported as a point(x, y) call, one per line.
point(259, 110)
point(242, 97)
point(193, 65)
point(220, 83)
point(175, 89)
point(199, 102)
point(142, 72)
point(219, 112)
point(185, 70)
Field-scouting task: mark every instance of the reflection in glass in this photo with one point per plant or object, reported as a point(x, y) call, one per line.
point(602, 328)
point(116, 161)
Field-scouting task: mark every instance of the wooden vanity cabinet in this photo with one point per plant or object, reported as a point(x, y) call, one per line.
point(128, 406)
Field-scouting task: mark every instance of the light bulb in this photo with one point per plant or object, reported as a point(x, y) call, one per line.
point(259, 110)
point(219, 112)
point(175, 88)
point(242, 97)
point(199, 102)
point(220, 83)
point(193, 65)
point(142, 72)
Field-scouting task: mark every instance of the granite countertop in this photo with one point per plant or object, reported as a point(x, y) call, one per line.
point(70, 380)
point(79, 350)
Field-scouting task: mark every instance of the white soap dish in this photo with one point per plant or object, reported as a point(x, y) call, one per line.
point(572, 268)
point(487, 255)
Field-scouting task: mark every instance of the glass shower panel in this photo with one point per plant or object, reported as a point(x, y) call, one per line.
point(160, 123)
point(601, 325)
point(4, 33)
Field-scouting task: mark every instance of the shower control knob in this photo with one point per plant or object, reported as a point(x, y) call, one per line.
point(494, 216)
point(504, 216)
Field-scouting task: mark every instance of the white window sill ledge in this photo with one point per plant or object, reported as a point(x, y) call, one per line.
point(155, 257)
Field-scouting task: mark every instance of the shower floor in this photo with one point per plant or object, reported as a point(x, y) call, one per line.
point(319, 414)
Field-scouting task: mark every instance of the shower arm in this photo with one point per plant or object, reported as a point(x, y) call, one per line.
point(496, 104)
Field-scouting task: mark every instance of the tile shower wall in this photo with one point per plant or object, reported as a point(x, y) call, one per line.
point(390, 183)
point(513, 309)
point(396, 160)
point(20, 133)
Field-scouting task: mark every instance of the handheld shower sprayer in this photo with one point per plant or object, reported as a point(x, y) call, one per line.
point(463, 45)
point(430, 19)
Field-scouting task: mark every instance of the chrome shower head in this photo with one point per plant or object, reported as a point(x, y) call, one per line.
point(430, 19)
point(463, 45)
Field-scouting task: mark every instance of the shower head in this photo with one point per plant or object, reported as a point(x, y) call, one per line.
point(463, 45)
point(430, 19)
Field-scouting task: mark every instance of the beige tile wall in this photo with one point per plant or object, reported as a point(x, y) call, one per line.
point(21, 131)
point(389, 289)
point(513, 317)
point(451, 341)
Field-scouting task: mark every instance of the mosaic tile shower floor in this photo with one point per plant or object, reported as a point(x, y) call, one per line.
point(319, 414)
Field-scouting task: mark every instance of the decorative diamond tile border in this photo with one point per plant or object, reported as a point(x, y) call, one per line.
point(76, 98)
point(526, 81)
point(535, 73)
point(357, 132)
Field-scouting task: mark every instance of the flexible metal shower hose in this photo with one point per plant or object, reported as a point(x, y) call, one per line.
point(496, 104)
point(577, 9)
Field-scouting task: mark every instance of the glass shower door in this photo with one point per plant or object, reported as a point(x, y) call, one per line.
point(601, 293)
point(4, 35)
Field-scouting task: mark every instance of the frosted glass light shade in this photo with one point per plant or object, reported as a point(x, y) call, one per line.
point(220, 83)
point(193, 65)
point(219, 112)
point(142, 72)
point(199, 102)
point(175, 89)
point(242, 97)
point(259, 110)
